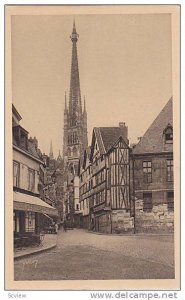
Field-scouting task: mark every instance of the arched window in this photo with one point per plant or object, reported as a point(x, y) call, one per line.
point(75, 152)
point(68, 152)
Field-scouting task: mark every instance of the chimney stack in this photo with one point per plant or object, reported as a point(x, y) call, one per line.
point(124, 129)
point(35, 142)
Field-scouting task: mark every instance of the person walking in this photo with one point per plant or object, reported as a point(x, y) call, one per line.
point(65, 226)
point(56, 228)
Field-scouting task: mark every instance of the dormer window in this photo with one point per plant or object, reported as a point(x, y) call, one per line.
point(21, 137)
point(168, 134)
point(23, 140)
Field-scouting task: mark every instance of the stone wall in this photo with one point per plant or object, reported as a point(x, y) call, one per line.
point(103, 223)
point(159, 220)
point(122, 222)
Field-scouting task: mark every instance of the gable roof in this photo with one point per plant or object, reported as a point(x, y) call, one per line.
point(106, 138)
point(16, 113)
point(152, 140)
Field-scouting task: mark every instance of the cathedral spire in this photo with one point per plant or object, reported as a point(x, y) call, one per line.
point(74, 26)
point(65, 102)
point(59, 156)
point(85, 106)
point(75, 106)
point(51, 151)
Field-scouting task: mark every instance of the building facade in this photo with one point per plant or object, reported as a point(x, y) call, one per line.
point(75, 137)
point(53, 190)
point(105, 182)
point(153, 175)
point(28, 176)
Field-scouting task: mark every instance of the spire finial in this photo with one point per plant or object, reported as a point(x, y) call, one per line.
point(84, 104)
point(51, 151)
point(74, 26)
point(59, 155)
point(74, 36)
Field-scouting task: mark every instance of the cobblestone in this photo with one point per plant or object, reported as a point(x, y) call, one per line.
point(83, 255)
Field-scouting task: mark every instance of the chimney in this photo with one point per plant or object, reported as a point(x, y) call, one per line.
point(35, 142)
point(124, 129)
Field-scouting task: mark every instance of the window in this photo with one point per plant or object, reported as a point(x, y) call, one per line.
point(16, 221)
point(147, 202)
point(75, 152)
point(23, 140)
point(169, 169)
point(29, 221)
point(76, 169)
point(69, 152)
point(147, 171)
point(16, 173)
point(77, 206)
point(31, 180)
point(168, 134)
point(170, 201)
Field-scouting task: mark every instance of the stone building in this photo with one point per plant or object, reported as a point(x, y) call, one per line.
point(54, 183)
point(153, 175)
point(28, 180)
point(105, 182)
point(75, 137)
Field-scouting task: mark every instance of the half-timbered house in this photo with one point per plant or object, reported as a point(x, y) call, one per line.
point(105, 181)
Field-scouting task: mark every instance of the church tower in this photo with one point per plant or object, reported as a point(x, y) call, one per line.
point(74, 139)
point(75, 119)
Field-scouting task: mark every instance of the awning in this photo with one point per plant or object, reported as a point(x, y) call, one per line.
point(48, 217)
point(26, 202)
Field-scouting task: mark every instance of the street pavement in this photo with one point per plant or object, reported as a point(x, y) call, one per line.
point(81, 255)
point(50, 241)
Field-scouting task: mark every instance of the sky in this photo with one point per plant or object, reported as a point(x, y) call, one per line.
point(125, 68)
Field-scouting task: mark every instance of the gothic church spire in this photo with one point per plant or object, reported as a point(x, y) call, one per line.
point(75, 106)
point(51, 151)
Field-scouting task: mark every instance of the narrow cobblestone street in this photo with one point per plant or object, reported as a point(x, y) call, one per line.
point(81, 255)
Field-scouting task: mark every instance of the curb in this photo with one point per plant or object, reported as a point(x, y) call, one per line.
point(133, 234)
point(35, 252)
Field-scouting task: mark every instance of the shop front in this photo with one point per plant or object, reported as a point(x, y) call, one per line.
point(28, 215)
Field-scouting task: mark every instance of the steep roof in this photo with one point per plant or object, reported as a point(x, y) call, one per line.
point(152, 140)
point(16, 113)
point(110, 135)
point(106, 138)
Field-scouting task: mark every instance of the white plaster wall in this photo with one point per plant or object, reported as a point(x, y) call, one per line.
point(25, 163)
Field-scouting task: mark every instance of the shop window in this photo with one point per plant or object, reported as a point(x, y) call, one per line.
point(169, 169)
point(147, 171)
point(16, 173)
point(29, 221)
point(147, 202)
point(31, 180)
point(170, 201)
